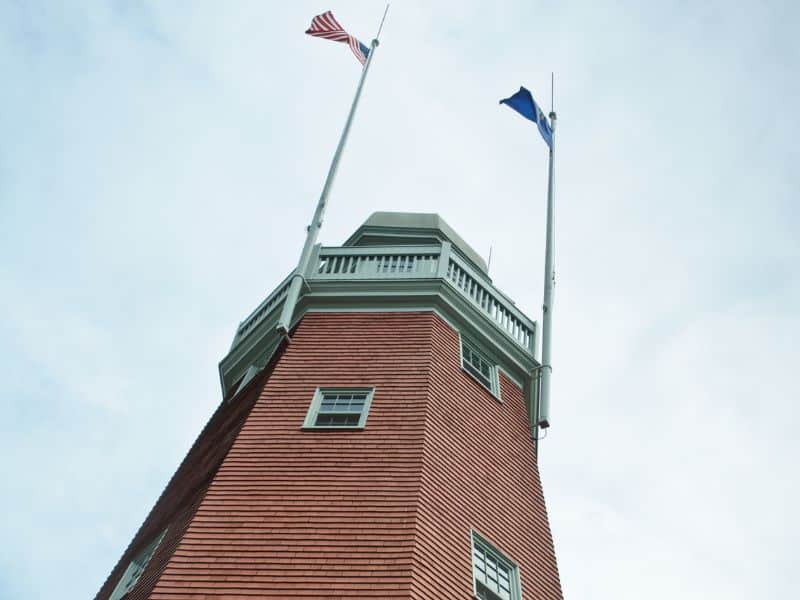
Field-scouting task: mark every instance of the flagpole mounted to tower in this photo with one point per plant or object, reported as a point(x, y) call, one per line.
point(326, 26)
point(524, 104)
point(549, 285)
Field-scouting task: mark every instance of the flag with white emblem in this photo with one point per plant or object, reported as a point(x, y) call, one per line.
point(524, 104)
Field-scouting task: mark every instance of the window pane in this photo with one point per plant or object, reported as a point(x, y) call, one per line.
point(486, 381)
point(338, 419)
point(494, 577)
point(477, 365)
point(135, 569)
point(339, 408)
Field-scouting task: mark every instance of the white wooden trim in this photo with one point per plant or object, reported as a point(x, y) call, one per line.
point(316, 402)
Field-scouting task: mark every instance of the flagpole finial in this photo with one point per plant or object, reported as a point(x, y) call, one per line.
point(380, 27)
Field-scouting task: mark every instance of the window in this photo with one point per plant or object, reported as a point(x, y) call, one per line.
point(339, 408)
point(135, 569)
point(494, 576)
point(477, 365)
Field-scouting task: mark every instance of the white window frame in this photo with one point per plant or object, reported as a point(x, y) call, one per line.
point(501, 558)
point(138, 563)
point(494, 378)
point(316, 404)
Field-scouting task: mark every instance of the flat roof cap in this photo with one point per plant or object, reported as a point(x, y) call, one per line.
point(415, 223)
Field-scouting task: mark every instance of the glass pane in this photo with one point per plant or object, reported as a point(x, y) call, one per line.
point(341, 409)
point(493, 575)
point(485, 593)
point(486, 381)
point(332, 419)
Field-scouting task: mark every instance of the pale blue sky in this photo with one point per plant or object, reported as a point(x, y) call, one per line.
point(158, 165)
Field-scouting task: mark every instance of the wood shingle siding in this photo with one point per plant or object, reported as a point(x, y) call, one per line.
point(479, 472)
point(178, 504)
point(273, 511)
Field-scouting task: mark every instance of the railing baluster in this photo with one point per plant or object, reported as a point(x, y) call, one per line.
point(352, 263)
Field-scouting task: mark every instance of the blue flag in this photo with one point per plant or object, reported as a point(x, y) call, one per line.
point(524, 104)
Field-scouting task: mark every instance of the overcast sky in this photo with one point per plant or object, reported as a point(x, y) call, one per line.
point(159, 162)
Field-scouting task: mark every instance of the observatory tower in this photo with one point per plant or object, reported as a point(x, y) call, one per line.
point(384, 449)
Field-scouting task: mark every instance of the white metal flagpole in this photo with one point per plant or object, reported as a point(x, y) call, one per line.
point(285, 321)
point(549, 284)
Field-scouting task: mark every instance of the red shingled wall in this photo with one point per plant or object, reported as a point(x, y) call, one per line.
point(180, 499)
point(385, 512)
point(311, 514)
point(479, 472)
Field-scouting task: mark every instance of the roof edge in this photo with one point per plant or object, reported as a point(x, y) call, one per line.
point(394, 225)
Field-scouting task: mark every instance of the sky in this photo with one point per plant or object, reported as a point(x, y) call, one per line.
point(159, 163)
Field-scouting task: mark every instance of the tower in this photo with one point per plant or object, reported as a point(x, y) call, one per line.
point(384, 449)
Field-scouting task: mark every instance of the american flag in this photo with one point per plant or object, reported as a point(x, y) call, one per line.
point(326, 26)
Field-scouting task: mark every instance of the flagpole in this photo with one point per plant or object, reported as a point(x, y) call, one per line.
point(549, 283)
point(298, 277)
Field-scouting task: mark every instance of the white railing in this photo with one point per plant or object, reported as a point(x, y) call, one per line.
point(263, 309)
point(368, 263)
point(421, 262)
point(500, 310)
point(406, 262)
